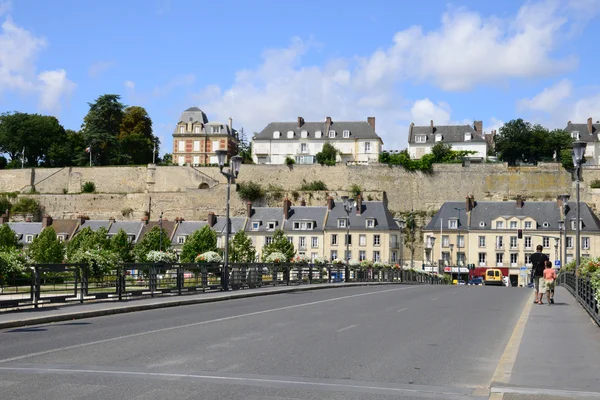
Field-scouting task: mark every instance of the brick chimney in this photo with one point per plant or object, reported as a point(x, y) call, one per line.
point(303, 202)
point(358, 204)
point(468, 204)
point(286, 208)
point(330, 203)
point(144, 220)
point(478, 126)
point(211, 219)
point(519, 201)
point(46, 221)
point(410, 129)
point(230, 123)
point(300, 122)
point(371, 121)
point(590, 126)
point(327, 126)
point(249, 209)
point(431, 127)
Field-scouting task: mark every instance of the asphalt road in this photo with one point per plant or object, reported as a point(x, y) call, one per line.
point(408, 342)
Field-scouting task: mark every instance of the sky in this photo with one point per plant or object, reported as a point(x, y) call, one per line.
point(268, 60)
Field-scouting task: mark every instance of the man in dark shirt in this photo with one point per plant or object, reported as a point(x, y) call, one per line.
point(538, 261)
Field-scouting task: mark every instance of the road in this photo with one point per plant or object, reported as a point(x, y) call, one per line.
point(399, 341)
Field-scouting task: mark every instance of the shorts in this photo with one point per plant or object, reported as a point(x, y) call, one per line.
point(540, 284)
point(550, 285)
point(536, 283)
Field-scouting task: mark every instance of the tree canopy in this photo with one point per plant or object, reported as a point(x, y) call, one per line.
point(280, 243)
point(199, 242)
point(241, 248)
point(151, 241)
point(46, 249)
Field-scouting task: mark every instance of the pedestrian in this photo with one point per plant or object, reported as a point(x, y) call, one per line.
point(538, 261)
point(549, 280)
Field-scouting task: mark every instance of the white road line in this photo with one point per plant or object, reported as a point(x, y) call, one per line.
point(454, 292)
point(172, 328)
point(404, 309)
point(346, 328)
point(434, 299)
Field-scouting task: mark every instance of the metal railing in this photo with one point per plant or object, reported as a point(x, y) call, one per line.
point(583, 292)
point(72, 283)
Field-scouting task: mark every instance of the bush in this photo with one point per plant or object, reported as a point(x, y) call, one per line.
point(327, 155)
point(5, 204)
point(314, 185)
point(355, 190)
point(250, 191)
point(595, 184)
point(289, 161)
point(89, 187)
point(27, 205)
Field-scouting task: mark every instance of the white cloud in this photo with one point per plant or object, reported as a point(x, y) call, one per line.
point(5, 7)
point(99, 67)
point(19, 50)
point(129, 85)
point(494, 124)
point(423, 111)
point(549, 99)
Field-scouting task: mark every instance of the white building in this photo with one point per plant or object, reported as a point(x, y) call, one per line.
point(589, 133)
point(357, 141)
point(462, 137)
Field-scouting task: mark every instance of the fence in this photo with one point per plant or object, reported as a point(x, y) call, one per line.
point(582, 290)
point(69, 283)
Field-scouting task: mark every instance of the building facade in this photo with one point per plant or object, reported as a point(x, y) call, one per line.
point(421, 139)
point(196, 139)
point(589, 133)
point(357, 142)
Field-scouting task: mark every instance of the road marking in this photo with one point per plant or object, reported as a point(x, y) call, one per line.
point(434, 299)
point(404, 309)
point(507, 361)
point(346, 328)
point(545, 392)
point(172, 328)
point(454, 292)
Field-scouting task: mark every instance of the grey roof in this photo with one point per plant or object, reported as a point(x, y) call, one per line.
point(370, 209)
point(94, 225)
point(306, 213)
point(130, 228)
point(25, 228)
point(589, 218)
point(358, 130)
point(584, 133)
point(448, 211)
point(186, 228)
point(193, 114)
point(265, 215)
point(237, 224)
point(450, 133)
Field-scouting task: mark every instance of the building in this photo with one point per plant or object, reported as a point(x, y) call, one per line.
point(301, 141)
point(195, 139)
point(589, 133)
point(184, 229)
point(133, 229)
point(486, 235)
point(462, 137)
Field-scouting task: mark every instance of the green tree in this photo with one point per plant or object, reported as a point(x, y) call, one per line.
point(3, 162)
point(151, 241)
point(327, 155)
point(135, 136)
point(5, 204)
point(167, 159)
point(245, 148)
point(199, 242)
point(280, 243)
point(8, 239)
point(442, 152)
point(560, 140)
point(101, 128)
point(241, 249)
point(87, 239)
point(46, 248)
point(121, 245)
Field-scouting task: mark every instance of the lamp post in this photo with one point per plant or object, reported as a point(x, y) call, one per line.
point(458, 246)
point(348, 205)
point(231, 174)
point(561, 228)
point(161, 231)
point(401, 225)
point(556, 240)
point(578, 153)
point(451, 257)
point(430, 243)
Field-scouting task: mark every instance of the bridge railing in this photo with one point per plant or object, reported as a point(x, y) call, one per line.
point(582, 289)
point(68, 283)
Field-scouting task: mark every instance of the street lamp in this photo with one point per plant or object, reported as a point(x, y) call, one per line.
point(451, 257)
point(349, 204)
point(430, 243)
point(401, 225)
point(231, 174)
point(161, 231)
point(578, 153)
point(561, 230)
point(556, 240)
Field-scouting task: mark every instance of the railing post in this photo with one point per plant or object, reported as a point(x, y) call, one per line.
point(152, 279)
point(118, 282)
point(310, 274)
point(204, 277)
point(179, 279)
point(36, 286)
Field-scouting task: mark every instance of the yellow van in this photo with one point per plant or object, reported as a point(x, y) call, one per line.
point(493, 276)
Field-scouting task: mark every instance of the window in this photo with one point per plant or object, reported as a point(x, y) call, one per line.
point(216, 129)
point(314, 242)
point(499, 224)
point(130, 238)
point(376, 240)
point(181, 160)
point(481, 258)
point(219, 242)
point(585, 243)
point(527, 258)
point(527, 224)
point(341, 222)
point(527, 242)
point(513, 242)
point(303, 225)
point(61, 238)
point(255, 226)
point(362, 240)
point(394, 241)
point(446, 257)
point(445, 241)
point(460, 258)
point(438, 137)
point(196, 145)
point(467, 137)
point(313, 256)
point(367, 147)
point(331, 134)
point(271, 225)
point(318, 134)
point(276, 135)
point(481, 241)
point(514, 259)
point(346, 134)
point(376, 256)
point(196, 160)
point(460, 241)
point(394, 256)
point(28, 238)
point(569, 242)
point(268, 240)
point(182, 129)
point(334, 240)
point(181, 146)
point(370, 223)
point(181, 239)
point(290, 134)
point(420, 139)
point(362, 255)
point(499, 259)
point(574, 225)
point(196, 129)
point(216, 145)
point(513, 224)
point(499, 242)
point(348, 255)
point(290, 239)
point(546, 241)
point(333, 255)
point(545, 225)
point(348, 239)
point(575, 135)
point(304, 134)
point(453, 224)
point(304, 147)
point(302, 242)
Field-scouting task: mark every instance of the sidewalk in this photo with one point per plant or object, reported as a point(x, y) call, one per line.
point(57, 312)
point(559, 355)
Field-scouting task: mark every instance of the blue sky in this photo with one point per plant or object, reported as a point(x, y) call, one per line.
point(453, 62)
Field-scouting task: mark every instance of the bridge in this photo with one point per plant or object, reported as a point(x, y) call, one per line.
point(349, 341)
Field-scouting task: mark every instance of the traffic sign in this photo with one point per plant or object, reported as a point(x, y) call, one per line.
point(557, 263)
point(524, 268)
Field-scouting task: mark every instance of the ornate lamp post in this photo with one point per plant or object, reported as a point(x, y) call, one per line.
point(349, 204)
point(401, 225)
point(578, 153)
point(231, 174)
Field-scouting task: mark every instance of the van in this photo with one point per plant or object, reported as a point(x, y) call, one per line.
point(493, 276)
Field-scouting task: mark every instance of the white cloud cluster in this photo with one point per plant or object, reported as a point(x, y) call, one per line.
point(466, 50)
point(19, 50)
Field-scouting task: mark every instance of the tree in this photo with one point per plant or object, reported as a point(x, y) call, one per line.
point(442, 152)
point(3, 162)
point(121, 245)
point(199, 242)
point(327, 155)
point(46, 249)
point(512, 144)
point(151, 241)
point(241, 249)
point(281, 244)
point(101, 128)
point(135, 136)
point(87, 239)
point(8, 239)
point(167, 159)
point(245, 148)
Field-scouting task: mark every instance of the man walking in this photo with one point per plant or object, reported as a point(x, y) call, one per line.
point(538, 261)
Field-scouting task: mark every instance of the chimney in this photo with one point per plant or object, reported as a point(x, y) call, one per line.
point(249, 209)
point(211, 219)
point(286, 208)
point(144, 220)
point(590, 126)
point(230, 123)
point(358, 204)
point(410, 129)
point(472, 199)
point(478, 126)
point(371, 121)
point(28, 219)
point(300, 122)
point(431, 127)
point(468, 204)
point(330, 203)
point(112, 219)
point(46, 221)
point(327, 126)
point(519, 201)
point(303, 202)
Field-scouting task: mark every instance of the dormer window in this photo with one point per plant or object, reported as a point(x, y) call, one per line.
point(499, 224)
point(304, 134)
point(453, 224)
point(303, 225)
point(331, 134)
point(575, 135)
point(341, 222)
point(420, 139)
point(527, 224)
point(290, 134)
point(574, 224)
point(276, 134)
point(182, 129)
point(255, 225)
point(196, 129)
point(370, 223)
point(513, 224)
point(61, 238)
point(28, 238)
point(181, 239)
point(216, 129)
point(467, 136)
point(438, 137)
point(130, 238)
point(271, 225)
point(346, 134)
point(318, 134)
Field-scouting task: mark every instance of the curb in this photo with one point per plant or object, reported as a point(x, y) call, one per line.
point(175, 303)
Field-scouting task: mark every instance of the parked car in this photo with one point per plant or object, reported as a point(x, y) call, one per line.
point(478, 281)
point(461, 282)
